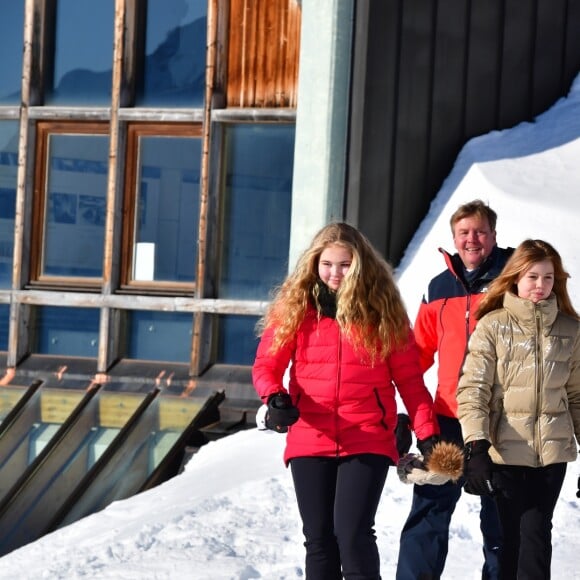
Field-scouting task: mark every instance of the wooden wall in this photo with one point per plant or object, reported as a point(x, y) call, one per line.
point(431, 74)
point(264, 44)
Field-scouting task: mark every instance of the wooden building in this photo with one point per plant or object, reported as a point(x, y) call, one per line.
point(163, 162)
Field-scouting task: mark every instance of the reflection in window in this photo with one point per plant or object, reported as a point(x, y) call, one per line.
point(11, 43)
point(257, 208)
point(83, 58)
point(167, 212)
point(8, 171)
point(66, 331)
point(237, 340)
point(174, 61)
point(160, 336)
point(4, 320)
point(74, 221)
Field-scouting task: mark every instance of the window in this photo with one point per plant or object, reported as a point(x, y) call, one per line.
point(70, 205)
point(4, 319)
point(237, 342)
point(11, 41)
point(173, 66)
point(257, 207)
point(66, 331)
point(150, 217)
point(83, 53)
point(8, 169)
point(159, 336)
point(162, 206)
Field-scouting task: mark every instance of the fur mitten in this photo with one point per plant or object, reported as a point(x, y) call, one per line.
point(447, 458)
point(445, 463)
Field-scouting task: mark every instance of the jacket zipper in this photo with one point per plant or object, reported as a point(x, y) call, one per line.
point(467, 312)
point(337, 393)
point(538, 386)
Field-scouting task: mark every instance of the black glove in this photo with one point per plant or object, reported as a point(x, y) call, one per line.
point(281, 412)
point(578, 492)
point(403, 434)
point(478, 468)
point(425, 446)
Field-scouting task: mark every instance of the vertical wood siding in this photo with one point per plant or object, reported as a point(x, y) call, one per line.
point(263, 49)
point(439, 72)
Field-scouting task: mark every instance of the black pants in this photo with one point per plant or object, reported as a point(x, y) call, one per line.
point(526, 501)
point(337, 500)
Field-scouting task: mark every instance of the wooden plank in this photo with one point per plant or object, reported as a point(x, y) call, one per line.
point(413, 119)
point(483, 65)
point(516, 62)
point(263, 51)
point(115, 409)
point(176, 413)
point(57, 405)
point(549, 54)
point(8, 398)
point(449, 78)
point(139, 302)
point(572, 44)
point(375, 107)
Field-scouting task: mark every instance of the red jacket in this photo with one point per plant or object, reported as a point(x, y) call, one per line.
point(446, 320)
point(346, 406)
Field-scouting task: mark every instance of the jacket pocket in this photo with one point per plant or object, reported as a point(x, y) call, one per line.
point(383, 411)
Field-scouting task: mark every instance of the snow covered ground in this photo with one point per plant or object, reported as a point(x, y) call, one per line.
point(232, 513)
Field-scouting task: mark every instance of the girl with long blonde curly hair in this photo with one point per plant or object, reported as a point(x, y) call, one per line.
point(369, 308)
point(338, 334)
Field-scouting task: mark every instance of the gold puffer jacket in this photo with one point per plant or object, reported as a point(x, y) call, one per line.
point(520, 383)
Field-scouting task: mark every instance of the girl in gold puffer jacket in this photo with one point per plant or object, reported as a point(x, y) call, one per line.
point(519, 402)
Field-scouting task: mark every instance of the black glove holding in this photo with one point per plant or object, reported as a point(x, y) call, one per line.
point(478, 468)
point(403, 434)
point(425, 446)
point(281, 412)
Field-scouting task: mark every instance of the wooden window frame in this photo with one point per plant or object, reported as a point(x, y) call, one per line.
point(44, 129)
point(134, 132)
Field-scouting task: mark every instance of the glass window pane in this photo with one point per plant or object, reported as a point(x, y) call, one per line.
point(83, 56)
point(237, 342)
point(174, 62)
point(257, 207)
point(66, 331)
point(11, 47)
point(8, 171)
point(161, 336)
point(75, 205)
point(4, 321)
point(167, 212)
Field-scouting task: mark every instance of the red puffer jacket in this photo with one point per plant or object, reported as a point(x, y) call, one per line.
point(346, 406)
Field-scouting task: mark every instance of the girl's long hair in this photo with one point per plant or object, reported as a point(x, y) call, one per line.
point(529, 252)
point(369, 311)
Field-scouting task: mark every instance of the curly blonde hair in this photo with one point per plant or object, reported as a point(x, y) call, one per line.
point(528, 253)
point(370, 311)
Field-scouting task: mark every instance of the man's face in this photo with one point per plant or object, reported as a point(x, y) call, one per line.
point(474, 240)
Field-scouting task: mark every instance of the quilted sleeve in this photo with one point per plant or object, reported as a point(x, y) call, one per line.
point(476, 381)
point(573, 387)
point(269, 368)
